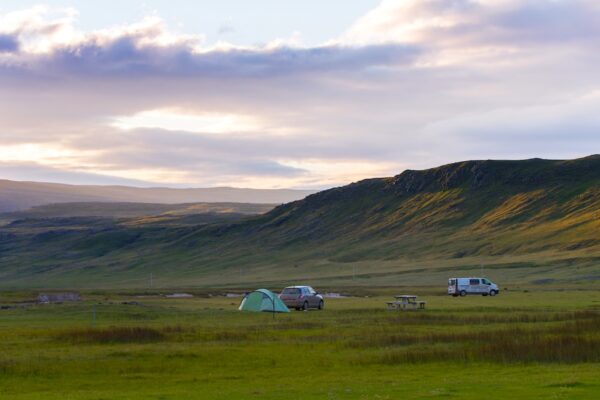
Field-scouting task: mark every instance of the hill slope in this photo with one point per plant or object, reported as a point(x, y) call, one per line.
point(534, 221)
point(15, 196)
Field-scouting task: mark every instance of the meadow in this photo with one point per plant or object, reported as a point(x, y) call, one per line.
point(524, 343)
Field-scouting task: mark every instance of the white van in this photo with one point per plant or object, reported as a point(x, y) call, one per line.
point(464, 286)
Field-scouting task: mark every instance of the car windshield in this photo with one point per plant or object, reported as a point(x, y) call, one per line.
point(291, 291)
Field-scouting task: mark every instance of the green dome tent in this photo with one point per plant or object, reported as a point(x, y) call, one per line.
point(263, 300)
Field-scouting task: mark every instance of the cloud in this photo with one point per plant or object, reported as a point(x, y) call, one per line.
point(555, 130)
point(148, 48)
point(31, 171)
point(477, 21)
point(8, 44)
point(126, 57)
point(40, 29)
point(411, 84)
point(456, 31)
point(212, 158)
point(179, 120)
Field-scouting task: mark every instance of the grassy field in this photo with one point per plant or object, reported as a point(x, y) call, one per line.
point(521, 344)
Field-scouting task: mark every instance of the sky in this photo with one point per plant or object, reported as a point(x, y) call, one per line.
point(282, 94)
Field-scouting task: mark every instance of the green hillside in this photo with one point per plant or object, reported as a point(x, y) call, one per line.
point(531, 222)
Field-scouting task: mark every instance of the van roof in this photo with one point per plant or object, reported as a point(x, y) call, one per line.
point(471, 277)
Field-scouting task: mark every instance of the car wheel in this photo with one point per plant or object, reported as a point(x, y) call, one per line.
point(321, 305)
point(305, 306)
point(463, 293)
point(493, 293)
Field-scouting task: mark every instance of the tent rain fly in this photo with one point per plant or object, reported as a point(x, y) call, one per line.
point(263, 300)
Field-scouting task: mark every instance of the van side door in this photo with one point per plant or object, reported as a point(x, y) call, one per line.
point(485, 285)
point(475, 285)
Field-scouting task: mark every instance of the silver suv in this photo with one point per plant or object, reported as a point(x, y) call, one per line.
point(302, 298)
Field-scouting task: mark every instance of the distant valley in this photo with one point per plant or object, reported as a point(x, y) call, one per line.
point(15, 196)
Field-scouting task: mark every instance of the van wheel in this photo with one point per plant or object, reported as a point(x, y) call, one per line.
point(321, 305)
point(463, 293)
point(305, 306)
point(493, 292)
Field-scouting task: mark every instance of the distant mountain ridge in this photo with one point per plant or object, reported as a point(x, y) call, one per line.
point(478, 174)
point(472, 176)
point(16, 196)
point(455, 195)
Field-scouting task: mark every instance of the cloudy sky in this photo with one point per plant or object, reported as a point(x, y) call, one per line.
point(304, 94)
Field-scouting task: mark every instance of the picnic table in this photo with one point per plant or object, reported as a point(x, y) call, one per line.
point(406, 302)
